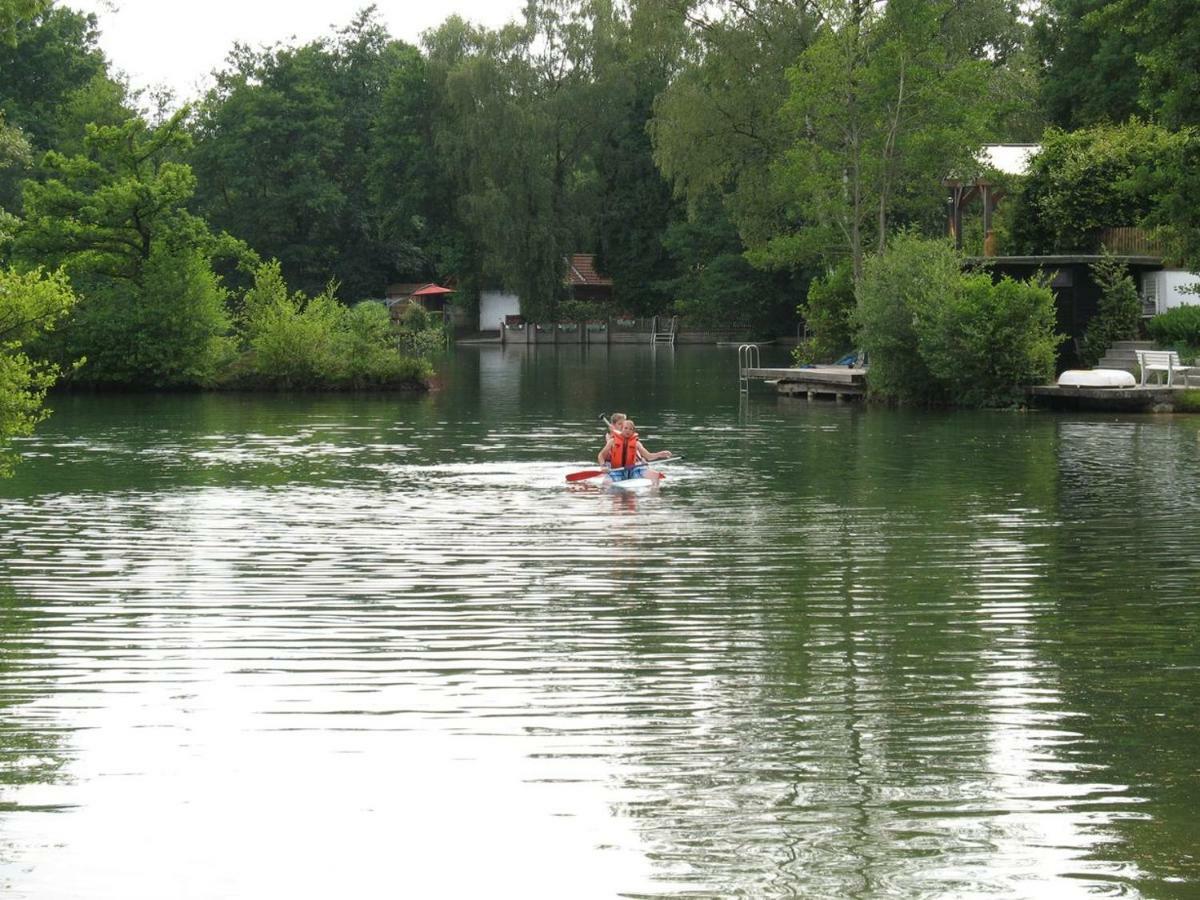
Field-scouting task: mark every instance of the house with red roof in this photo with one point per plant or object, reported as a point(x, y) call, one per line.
point(585, 282)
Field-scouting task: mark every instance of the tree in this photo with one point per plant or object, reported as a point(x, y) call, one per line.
point(1120, 312)
point(15, 157)
point(1174, 186)
point(50, 62)
point(13, 12)
point(267, 147)
point(716, 127)
point(1090, 72)
point(30, 304)
point(520, 111)
point(152, 312)
point(880, 105)
point(1087, 180)
point(1108, 60)
point(1169, 32)
point(635, 204)
point(321, 156)
point(716, 286)
point(410, 192)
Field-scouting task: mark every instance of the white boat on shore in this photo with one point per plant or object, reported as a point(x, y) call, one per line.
point(1096, 378)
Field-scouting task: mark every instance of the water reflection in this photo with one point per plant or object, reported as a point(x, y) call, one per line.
point(839, 652)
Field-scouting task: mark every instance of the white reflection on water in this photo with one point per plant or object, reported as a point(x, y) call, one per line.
point(396, 673)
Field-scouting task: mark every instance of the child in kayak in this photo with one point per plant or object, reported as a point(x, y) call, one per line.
point(624, 449)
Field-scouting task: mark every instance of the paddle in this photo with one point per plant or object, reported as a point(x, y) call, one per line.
point(585, 475)
point(595, 473)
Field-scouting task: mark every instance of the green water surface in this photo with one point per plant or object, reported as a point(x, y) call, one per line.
point(376, 646)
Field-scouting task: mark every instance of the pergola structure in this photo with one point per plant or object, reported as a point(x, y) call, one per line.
point(1010, 159)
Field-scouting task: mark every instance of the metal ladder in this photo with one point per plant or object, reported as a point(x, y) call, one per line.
point(663, 337)
point(748, 358)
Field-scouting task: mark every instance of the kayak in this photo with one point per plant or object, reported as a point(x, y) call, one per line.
point(639, 478)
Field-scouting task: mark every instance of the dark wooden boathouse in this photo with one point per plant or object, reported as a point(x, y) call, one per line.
point(1076, 294)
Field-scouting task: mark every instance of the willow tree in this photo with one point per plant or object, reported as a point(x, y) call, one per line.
point(522, 110)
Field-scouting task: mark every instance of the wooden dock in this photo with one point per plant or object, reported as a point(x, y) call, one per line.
point(838, 382)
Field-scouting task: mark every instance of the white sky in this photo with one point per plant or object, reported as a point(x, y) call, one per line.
point(177, 43)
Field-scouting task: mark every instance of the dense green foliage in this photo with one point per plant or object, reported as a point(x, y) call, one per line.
point(986, 341)
point(319, 156)
point(897, 287)
point(152, 311)
point(717, 287)
point(828, 314)
point(293, 341)
point(1120, 313)
point(55, 81)
point(935, 334)
point(1083, 181)
point(1175, 184)
point(1178, 328)
point(1107, 60)
point(881, 97)
point(30, 304)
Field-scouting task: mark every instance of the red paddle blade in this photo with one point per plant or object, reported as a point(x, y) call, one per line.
point(583, 476)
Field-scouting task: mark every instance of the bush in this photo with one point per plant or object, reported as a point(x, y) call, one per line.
point(828, 315)
point(1083, 181)
point(414, 317)
point(169, 328)
point(1120, 311)
point(986, 341)
point(582, 311)
point(934, 334)
point(296, 342)
point(898, 286)
point(1177, 328)
point(420, 335)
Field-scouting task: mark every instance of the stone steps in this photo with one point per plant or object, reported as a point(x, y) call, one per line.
point(1121, 355)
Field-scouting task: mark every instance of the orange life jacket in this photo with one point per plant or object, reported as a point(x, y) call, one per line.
point(623, 452)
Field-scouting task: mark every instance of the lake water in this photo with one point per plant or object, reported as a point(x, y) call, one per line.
point(257, 646)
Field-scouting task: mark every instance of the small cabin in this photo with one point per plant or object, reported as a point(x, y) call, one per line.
point(585, 282)
point(433, 298)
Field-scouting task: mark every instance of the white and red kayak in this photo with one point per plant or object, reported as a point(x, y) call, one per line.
point(636, 478)
point(633, 478)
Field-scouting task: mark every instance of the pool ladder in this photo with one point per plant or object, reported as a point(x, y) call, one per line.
point(663, 337)
point(748, 358)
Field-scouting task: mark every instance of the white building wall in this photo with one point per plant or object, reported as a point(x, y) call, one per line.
point(494, 306)
point(1165, 290)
